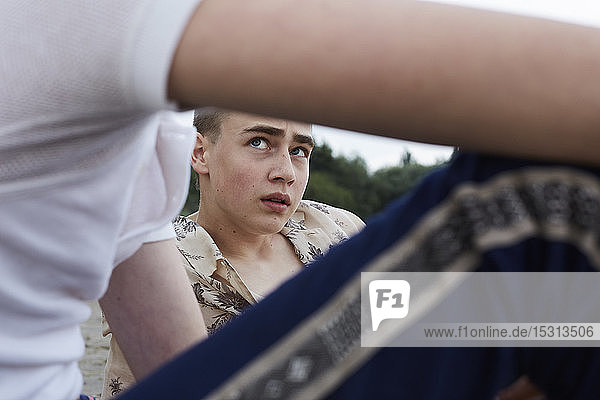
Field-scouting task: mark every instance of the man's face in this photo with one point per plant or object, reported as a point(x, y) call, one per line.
point(257, 171)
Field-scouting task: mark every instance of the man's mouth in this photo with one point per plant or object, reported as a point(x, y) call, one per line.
point(277, 201)
point(280, 198)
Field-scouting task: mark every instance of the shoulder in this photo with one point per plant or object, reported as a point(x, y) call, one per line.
point(199, 251)
point(184, 227)
point(318, 213)
point(316, 227)
point(105, 75)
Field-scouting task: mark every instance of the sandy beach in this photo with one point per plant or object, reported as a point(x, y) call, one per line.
point(96, 350)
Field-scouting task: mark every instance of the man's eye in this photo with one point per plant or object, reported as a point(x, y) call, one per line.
point(258, 143)
point(299, 151)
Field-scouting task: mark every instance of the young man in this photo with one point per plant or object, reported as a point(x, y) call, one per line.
point(83, 149)
point(252, 230)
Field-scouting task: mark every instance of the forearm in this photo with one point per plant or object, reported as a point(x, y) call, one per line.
point(412, 70)
point(151, 309)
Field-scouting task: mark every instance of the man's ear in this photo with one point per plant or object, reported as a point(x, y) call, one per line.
point(199, 156)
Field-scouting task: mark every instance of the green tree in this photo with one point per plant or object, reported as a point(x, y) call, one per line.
point(390, 183)
point(349, 174)
point(370, 192)
point(324, 189)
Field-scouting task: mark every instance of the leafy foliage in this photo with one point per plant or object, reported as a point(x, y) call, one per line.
point(347, 183)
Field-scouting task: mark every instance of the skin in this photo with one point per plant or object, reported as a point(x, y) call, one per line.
point(255, 160)
point(144, 327)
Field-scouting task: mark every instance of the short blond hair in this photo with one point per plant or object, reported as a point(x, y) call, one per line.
point(208, 122)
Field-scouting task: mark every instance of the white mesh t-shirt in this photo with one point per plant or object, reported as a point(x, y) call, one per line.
point(89, 169)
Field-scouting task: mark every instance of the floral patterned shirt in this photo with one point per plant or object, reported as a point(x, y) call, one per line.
point(222, 294)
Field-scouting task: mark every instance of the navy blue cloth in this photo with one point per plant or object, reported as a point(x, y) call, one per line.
point(415, 373)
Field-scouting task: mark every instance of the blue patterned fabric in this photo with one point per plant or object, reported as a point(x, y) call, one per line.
point(279, 351)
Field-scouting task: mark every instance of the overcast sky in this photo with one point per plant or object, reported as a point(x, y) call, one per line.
point(379, 152)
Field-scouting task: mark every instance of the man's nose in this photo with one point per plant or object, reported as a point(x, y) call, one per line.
point(283, 169)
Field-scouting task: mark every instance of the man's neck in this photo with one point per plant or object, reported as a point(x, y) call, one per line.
point(262, 261)
point(235, 242)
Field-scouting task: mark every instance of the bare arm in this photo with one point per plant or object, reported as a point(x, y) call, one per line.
point(414, 70)
point(131, 308)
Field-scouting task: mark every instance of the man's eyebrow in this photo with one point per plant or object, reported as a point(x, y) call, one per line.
point(267, 129)
point(306, 139)
point(273, 131)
